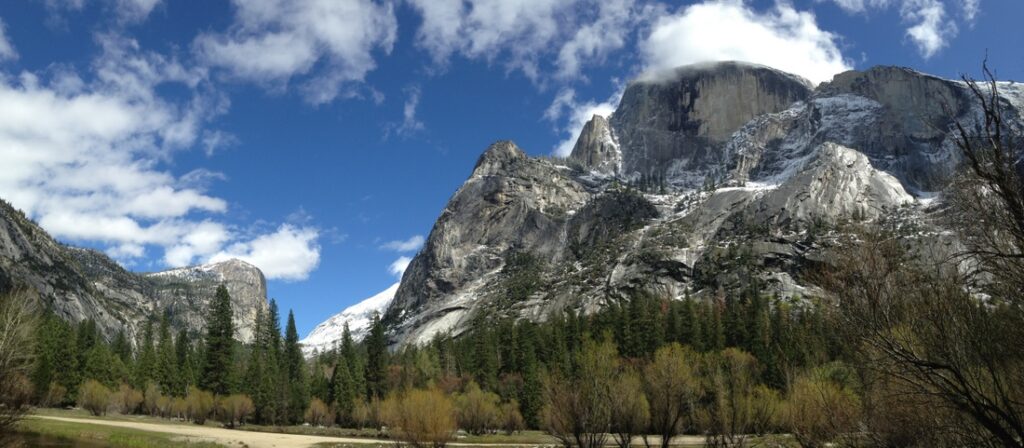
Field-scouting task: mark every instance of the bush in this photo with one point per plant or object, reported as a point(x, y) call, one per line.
point(477, 412)
point(511, 419)
point(235, 409)
point(151, 399)
point(361, 413)
point(630, 410)
point(819, 411)
point(317, 414)
point(55, 395)
point(127, 400)
point(199, 404)
point(179, 408)
point(421, 418)
point(94, 397)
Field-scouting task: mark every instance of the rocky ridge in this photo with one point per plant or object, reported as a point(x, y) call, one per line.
point(755, 175)
point(78, 284)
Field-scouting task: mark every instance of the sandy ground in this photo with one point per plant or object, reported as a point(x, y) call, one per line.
point(226, 436)
point(267, 440)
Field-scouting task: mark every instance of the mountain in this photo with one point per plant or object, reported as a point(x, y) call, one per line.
point(358, 317)
point(80, 284)
point(708, 178)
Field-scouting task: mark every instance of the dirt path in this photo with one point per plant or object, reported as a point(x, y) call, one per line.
point(226, 436)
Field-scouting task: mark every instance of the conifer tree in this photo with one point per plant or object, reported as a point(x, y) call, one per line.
point(376, 358)
point(295, 366)
point(217, 367)
point(145, 364)
point(122, 348)
point(343, 391)
point(166, 361)
point(186, 363)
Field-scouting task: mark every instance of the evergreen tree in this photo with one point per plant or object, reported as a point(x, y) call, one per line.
point(295, 366)
point(185, 359)
point(166, 361)
point(122, 348)
point(343, 391)
point(217, 367)
point(376, 359)
point(145, 364)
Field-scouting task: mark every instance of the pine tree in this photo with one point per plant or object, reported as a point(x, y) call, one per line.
point(217, 367)
point(122, 348)
point(186, 363)
point(343, 391)
point(145, 364)
point(295, 365)
point(166, 361)
point(376, 359)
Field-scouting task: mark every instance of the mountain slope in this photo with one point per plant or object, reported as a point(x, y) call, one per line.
point(358, 317)
point(80, 284)
point(711, 177)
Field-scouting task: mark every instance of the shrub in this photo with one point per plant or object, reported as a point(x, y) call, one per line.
point(630, 410)
point(199, 404)
point(317, 414)
point(819, 411)
point(235, 409)
point(55, 395)
point(477, 412)
point(511, 419)
point(151, 399)
point(361, 413)
point(179, 408)
point(421, 418)
point(127, 399)
point(94, 397)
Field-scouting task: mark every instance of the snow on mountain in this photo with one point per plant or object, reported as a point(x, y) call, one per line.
point(358, 317)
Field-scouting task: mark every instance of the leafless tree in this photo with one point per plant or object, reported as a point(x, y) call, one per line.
point(17, 326)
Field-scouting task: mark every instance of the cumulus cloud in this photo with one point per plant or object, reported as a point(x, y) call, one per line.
point(290, 253)
point(327, 43)
point(7, 51)
point(519, 33)
point(412, 244)
point(397, 268)
point(125, 11)
point(782, 37)
point(85, 156)
point(576, 114)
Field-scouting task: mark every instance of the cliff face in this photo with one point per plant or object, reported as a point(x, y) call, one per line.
point(760, 172)
point(79, 284)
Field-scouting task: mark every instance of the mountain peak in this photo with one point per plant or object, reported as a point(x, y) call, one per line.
point(499, 157)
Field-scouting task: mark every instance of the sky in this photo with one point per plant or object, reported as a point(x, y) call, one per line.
point(320, 139)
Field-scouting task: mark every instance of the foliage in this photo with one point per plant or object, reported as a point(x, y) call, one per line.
point(317, 414)
point(631, 413)
point(220, 330)
point(818, 410)
point(235, 409)
point(94, 397)
point(478, 412)
point(200, 405)
point(673, 388)
point(421, 418)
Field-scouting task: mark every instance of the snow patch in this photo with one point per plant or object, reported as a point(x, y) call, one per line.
point(358, 316)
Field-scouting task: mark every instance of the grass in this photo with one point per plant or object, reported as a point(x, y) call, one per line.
point(107, 435)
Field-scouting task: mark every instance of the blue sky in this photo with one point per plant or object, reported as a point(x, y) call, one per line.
point(320, 139)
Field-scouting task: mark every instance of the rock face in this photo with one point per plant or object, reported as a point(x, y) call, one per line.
point(676, 123)
point(596, 147)
point(761, 172)
point(80, 284)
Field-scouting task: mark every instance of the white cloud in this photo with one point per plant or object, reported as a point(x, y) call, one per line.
point(519, 33)
point(931, 32)
point(412, 244)
point(86, 157)
point(214, 140)
point(410, 123)
point(7, 51)
point(135, 10)
point(930, 28)
point(783, 38)
point(125, 11)
point(577, 115)
point(398, 267)
point(326, 42)
point(291, 253)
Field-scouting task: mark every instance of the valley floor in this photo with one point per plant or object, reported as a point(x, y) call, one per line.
point(146, 432)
